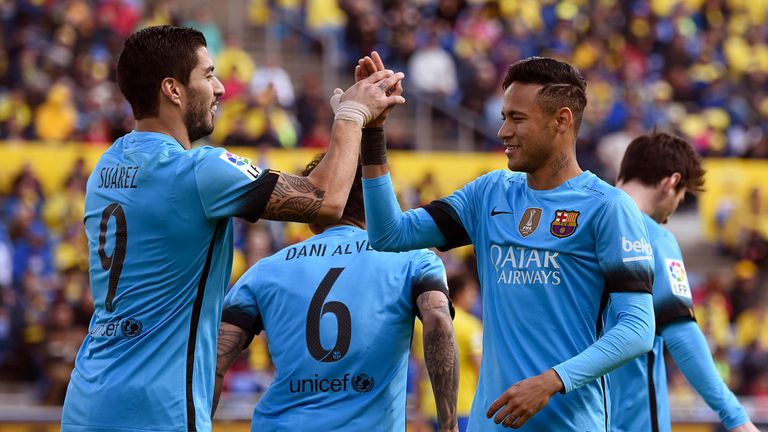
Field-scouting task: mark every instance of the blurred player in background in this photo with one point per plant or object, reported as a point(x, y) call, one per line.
point(339, 320)
point(554, 245)
point(657, 171)
point(158, 221)
point(469, 339)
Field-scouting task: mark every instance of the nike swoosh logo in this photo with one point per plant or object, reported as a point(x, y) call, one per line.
point(494, 212)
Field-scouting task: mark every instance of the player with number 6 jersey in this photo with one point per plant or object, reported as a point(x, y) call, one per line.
point(158, 218)
point(339, 318)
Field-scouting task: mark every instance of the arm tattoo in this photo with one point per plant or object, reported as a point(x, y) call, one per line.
point(440, 355)
point(294, 199)
point(231, 342)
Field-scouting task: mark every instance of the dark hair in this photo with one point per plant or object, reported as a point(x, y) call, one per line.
point(650, 158)
point(562, 84)
point(354, 208)
point(151, 55)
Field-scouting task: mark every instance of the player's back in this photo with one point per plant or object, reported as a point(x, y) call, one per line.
point(638, 389)
point(158, 270)
point(338, 317)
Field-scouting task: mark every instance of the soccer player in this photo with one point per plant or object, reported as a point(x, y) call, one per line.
point(656, 172)
point(554, 245)
point(339, 320)
point(158, 217)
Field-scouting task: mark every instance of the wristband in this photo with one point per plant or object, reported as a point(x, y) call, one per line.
point(373, 146)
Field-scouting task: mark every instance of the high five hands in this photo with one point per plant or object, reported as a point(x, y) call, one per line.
point(375, 92)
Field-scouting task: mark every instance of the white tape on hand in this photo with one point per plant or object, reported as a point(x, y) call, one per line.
point(336, 99)
point(354, 111)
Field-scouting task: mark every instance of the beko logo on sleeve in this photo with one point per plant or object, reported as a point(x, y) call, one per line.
point(637, 246)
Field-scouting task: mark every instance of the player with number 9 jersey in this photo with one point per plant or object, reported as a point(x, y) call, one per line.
point(160, 260)
point(158, 218)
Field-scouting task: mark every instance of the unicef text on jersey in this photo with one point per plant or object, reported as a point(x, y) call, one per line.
point(361, 383)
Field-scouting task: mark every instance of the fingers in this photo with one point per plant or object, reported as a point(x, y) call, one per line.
point(370, 66)
point(376, 60)
point(395, 100)
point(505, 415)
point(398, 89)
point(391, 80)
point(380, 75)
point(511, 421)
point(496, 405)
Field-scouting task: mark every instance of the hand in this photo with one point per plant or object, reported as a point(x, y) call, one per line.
point(366, 67)
point(746, 427)
point(367, 98)
point(524, 399)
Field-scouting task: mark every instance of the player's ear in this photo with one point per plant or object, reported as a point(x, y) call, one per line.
point(171, 90)
point(670, 183)
point(563, 119)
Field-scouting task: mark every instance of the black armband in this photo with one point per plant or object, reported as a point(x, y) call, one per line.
point(373, 147)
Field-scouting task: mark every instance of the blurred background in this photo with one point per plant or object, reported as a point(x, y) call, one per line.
point(698, 68)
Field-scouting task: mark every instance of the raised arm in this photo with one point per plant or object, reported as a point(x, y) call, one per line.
point(690, 351)
point(321, 196)
point(232, 341)
point(389, 229)
point(441, 355)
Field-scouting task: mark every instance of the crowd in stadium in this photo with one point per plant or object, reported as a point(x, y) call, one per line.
point(698, 68)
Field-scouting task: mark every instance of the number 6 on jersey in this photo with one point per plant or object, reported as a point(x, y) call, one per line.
point(317, 308)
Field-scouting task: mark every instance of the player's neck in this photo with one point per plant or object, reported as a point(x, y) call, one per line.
point(644, 197)
point(170, 128)
point(556, 171)
point(317, 229)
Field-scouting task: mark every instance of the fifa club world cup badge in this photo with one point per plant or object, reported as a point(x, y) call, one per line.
point(564, 224)
point(529, 222)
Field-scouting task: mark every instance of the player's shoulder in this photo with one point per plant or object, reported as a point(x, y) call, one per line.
point(498, 179)
point(504, 176)
point(148, 142)
point(598, 189)
point(205, 152)
point(658, 234)
point(214, 159)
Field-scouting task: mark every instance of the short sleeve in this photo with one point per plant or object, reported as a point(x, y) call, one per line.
point(623, 247)
point(455, 215)
point(230, 185)
point(428, 275)
point(240, 305)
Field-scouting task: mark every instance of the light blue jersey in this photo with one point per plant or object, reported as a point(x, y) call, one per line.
point(339, 320)
point(547, 261)
point(158, 222)
point(639, 388)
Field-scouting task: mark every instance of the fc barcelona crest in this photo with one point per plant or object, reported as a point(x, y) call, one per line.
point(565, 223)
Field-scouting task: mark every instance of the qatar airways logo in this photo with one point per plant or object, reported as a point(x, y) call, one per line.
point(520, 265)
